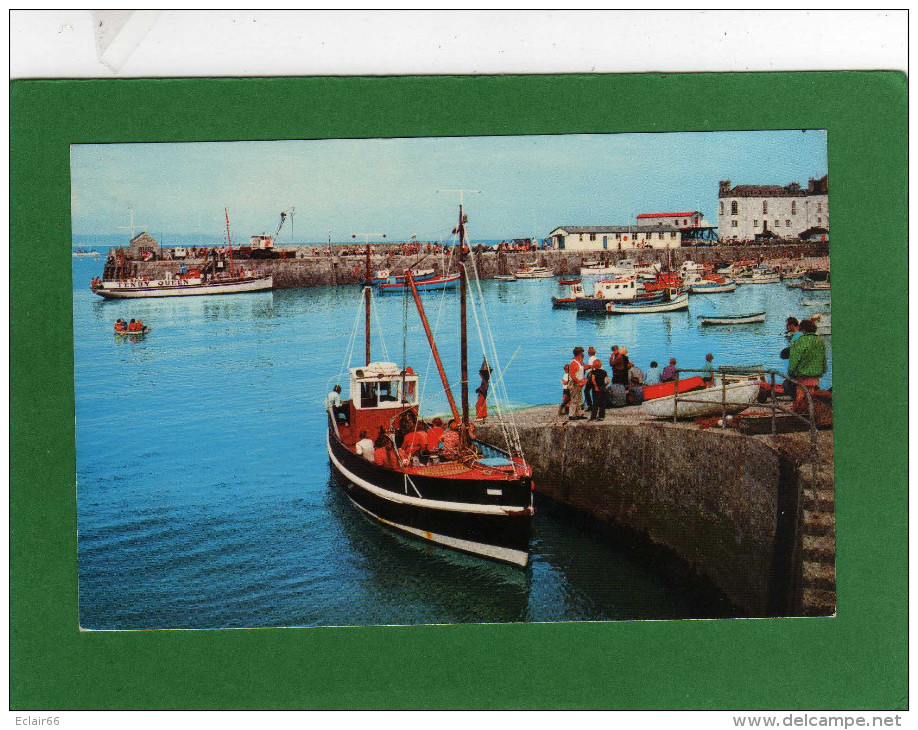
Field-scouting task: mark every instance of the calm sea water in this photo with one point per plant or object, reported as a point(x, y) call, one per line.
point(203, 487)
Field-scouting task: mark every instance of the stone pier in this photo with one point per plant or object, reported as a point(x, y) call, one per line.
point(745, 514)
point(308, 267)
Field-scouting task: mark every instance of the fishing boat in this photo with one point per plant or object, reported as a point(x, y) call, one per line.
point(608, 290)
point(664, 281)
point(734, 397)
point(666, 304)
point(477, 500)
point(816, 281)
point(436, 283)
point(728, 319)
point(193, 283)
point(534, 272)
point(570, 301)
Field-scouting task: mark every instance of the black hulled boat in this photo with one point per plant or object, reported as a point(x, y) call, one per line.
point(476, 498)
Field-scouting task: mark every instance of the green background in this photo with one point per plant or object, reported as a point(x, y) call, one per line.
point(856, 660)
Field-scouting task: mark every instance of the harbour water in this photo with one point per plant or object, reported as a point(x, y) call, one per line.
point(203, 490)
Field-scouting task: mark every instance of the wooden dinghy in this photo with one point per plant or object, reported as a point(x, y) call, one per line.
point(707, 402)
point(752, 318)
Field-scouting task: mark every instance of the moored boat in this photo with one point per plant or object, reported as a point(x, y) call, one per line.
point(195, 282)
point(666, 304)
point(711, 287)
point(436, 283)
point(609, 290)
point(505, 277)
point(732, 397)
point(80, 253)
point(712, 319)
point(661, 390)
point(570, 301)
point(470, 497)
point(534, 272)
point(418, 274)
point(817, 281)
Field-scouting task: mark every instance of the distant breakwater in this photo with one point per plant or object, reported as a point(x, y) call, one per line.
point(338, 270)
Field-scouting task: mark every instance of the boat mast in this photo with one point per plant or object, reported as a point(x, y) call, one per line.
point(229, 244)
point(433, 345)
point(463, 338)
point(369, 279)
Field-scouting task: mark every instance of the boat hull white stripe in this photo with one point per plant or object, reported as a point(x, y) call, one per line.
point(507, 555)
point(481, 509)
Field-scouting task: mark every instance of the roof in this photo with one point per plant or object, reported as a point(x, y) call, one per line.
point(617, 229)
point(683, 214)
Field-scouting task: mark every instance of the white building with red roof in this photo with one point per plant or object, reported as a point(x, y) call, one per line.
point(684, 219)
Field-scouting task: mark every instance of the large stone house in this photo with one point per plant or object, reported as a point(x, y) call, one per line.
point(757, 212)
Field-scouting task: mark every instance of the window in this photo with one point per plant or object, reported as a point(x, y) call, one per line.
point(605, 242)
point(581, 236)
point(765, 206)
point(673, 234)
point(787, 223)
point(592, 236)
point(777, 224)
point(721, 207)
point(819, 207)
point(368, 395)
point(734, 208)
point(733, 224)
point(793, 207)
point(755, 223)
point(818, 219)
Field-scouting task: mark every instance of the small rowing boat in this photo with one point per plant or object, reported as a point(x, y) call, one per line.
point(734, 397)
point(673, 304)
point(134, 333)
point(732, 318)
point(568, 282)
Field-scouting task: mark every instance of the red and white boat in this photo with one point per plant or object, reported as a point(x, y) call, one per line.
point(474, 498)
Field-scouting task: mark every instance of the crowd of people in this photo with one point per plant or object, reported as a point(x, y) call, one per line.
point(413, 442)
point(588, 387)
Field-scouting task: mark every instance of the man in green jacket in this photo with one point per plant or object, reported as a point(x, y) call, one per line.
point(808, 362)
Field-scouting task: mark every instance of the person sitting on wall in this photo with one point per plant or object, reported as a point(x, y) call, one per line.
point(652, 376)
point(669, 372)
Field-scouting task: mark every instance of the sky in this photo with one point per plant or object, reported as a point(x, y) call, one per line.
point(529, 184)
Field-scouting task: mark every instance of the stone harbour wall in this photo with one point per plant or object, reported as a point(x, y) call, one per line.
point(339, 270)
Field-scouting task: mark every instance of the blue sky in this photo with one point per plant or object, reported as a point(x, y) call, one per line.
point(529, 184)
